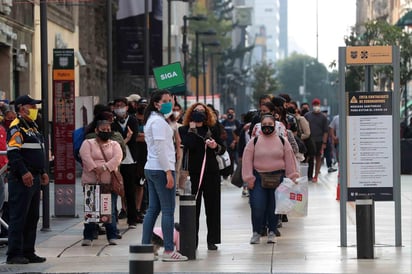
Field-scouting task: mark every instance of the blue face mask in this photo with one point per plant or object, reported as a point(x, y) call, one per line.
point(166, 108)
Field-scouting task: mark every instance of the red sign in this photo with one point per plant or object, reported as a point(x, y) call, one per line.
point(63, 127)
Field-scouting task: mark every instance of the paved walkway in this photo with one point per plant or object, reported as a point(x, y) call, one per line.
point(307, 245)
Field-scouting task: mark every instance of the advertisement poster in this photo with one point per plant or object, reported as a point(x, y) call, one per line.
point(369, 149)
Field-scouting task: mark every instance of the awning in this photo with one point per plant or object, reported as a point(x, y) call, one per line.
point(405, 20)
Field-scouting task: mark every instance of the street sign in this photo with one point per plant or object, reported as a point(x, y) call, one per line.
point(369, 55)
point(170, 77)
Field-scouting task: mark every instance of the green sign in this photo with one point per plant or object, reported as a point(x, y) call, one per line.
point(170, 77)
point(63, 58)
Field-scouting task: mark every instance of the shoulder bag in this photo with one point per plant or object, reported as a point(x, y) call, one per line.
point(117, 178)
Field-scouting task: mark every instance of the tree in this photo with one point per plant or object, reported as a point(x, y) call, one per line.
point(380, 33)
point(264, 81)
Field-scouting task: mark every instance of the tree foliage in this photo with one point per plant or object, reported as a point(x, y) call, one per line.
point(380, 33)
point(264, 80)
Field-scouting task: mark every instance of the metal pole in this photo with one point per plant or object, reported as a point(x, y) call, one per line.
point(169, 30)
point(368, 78)
point(184, 49)
point(212, 84)
point(304, 82)
point(197, 67)
point(204, 73)
point(109, 51)
point(146, 48)
point(45, 109)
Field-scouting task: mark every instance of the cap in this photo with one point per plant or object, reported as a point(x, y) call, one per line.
point(133, 97)
point(120, 99)
point(25, 100)
point(316, 101)
point(142, 101)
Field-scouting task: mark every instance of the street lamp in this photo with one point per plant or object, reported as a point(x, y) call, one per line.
point(212, 85)
point(210, 44)
point(169, 29)
point(303, 90)
point(207, 32)
point(185, 47)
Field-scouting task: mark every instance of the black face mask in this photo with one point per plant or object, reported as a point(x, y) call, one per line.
point(291, 110)
point(140, 110)
point(267, 130)
point(104, 136)
point(198, 116)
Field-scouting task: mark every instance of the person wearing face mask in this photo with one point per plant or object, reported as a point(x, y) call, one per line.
point(128, 126)
point(26, 155)
point(96, 170)
point(201, 137)
point(266, 153)
point(231, 126)
point(160, 173)
point(318, 124)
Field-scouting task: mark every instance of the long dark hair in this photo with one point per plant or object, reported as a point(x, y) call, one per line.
point(154, 98)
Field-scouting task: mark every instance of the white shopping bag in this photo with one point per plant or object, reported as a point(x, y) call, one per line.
point(291, 198)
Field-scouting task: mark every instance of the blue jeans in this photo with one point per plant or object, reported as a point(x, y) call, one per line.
point(160, 199)
point(111, 228)
point(262, 204)
point(24, 205)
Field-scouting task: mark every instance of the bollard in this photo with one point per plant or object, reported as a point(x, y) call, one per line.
point(188, 226)
point(365, 227)
point(141, 259)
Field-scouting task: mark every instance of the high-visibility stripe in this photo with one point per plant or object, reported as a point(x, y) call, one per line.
point(141, 256)
point(31, 146)
point(12, 148)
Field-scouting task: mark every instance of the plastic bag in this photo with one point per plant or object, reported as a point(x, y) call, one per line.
point(291, 198)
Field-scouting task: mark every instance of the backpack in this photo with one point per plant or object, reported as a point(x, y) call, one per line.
point(78, 138)
point(281, 138)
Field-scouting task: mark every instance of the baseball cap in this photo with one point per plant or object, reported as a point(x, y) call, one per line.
point(316, 101)
point(25, 100)
point(142, 101)
point(133, 97)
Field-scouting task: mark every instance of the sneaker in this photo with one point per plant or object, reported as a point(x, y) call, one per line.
point(122, 214)
point(277, 232)
point(285, 218)
point(245, 193)
point(271, 238)
point(112, 242)
point(279, 225)
point(86, 242)
point(33, 258)
point(132, 226)
point(332, 169)
point(173, 256)
point(255, 238)
point(17, 260)
point(315, 179)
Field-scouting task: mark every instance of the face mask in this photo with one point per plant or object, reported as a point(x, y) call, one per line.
point(267, 130)
point(104, 136)
point(176, 113)
point(140, 110)
point(291, 110)
point(230, 116)
point(198, 116)
point(33, 114)
point(7, 123)
point(120, 111)
point(316, 109)
point(166, 108)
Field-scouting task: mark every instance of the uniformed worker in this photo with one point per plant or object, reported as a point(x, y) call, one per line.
point(27, 162)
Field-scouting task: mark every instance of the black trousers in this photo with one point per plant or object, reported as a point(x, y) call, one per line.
point(210, 190)
point(24, 209)
point(130, 180)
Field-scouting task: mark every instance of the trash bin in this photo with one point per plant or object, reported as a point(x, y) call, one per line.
point(365, 227)
point(188, 226)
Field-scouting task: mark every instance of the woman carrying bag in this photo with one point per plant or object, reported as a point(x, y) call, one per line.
point(201, 137)
point(96, 170)
point(266, 159)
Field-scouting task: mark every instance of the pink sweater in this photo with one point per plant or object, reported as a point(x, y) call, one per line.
point(92, 157)
point(269, 154)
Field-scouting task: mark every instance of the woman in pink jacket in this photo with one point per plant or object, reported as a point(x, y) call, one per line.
point(96, 170)
point(266, 153)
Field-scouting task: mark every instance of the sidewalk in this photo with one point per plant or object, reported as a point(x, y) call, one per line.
point(307, 245)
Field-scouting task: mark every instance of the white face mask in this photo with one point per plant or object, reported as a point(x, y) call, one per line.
point(120, 111)
point(316, 108)
point(176, 113)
